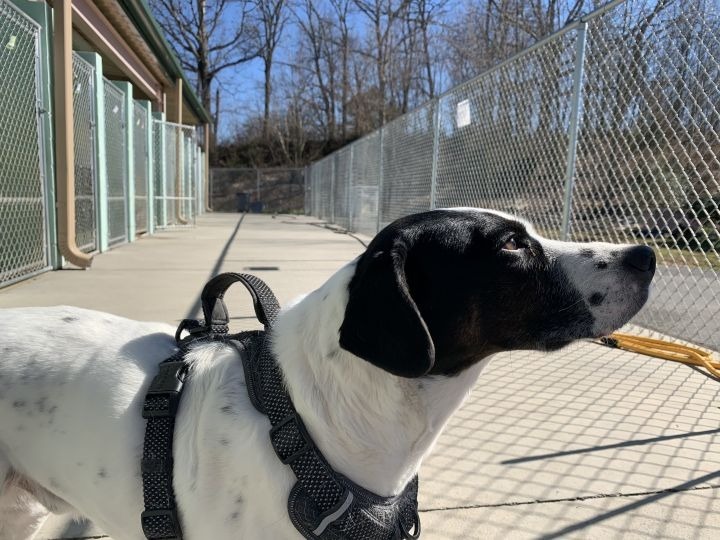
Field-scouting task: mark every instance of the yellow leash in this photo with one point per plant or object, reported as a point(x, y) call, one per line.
point(665, 350)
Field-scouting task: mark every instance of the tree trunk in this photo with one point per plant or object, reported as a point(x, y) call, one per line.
point(268, 93)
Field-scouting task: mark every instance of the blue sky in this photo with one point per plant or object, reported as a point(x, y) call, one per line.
point(242, 87)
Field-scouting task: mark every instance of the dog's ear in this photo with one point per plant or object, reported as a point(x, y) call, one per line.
point(382, 322)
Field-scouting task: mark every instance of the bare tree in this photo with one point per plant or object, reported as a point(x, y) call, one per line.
point(289, 126)
point(540, 18)
point(205, 43)
point(272, 18)
point(426, 15)
point(485, 33)
point(320, 59)
point(383, 16)
point(342, 11)
point(413, 61)
point(403, 63)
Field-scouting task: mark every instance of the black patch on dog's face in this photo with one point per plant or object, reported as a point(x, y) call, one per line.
point(436, 292)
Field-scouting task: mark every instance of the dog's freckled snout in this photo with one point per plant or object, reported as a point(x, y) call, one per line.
point(639, 258)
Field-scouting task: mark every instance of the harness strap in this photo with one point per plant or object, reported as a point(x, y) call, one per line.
point(323, 504)
point(288, 435)
point(216, 314)
point(160, 520)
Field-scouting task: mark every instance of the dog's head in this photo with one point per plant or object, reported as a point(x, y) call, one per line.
point(438, 291)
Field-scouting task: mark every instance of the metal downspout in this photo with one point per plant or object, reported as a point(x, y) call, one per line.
point(64, 135)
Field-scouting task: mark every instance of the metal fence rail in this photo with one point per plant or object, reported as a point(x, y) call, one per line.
point(607, 130)
point(115, 163)
point(23, 217)
point(85, 172)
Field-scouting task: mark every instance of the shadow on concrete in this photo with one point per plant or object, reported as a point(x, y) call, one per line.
point(654, 497)
point(623, 444)
point(194, 311)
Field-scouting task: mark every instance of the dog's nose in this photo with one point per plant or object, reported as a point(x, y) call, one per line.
point(640, 258)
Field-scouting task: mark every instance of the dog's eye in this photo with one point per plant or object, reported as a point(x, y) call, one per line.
point(511, 244)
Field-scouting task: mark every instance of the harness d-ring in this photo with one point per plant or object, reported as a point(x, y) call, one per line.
point(416, 525)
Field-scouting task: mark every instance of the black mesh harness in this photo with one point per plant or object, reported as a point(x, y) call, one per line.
point(323, 504)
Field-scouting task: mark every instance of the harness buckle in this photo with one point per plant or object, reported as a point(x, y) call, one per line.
point(276, 441)
point(163, 396)
point(161, 524)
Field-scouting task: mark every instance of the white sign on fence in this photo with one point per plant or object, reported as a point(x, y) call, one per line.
point(462, 114)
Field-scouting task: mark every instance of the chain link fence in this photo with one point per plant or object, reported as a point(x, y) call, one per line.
point(115, 163)
point(342, 162)
point(140, 165)
point(176, 177)
point(85, 172)
point(607, 130)
point(103, 211)
point(275, 190)
point(23, 217)
point(366, 172)
point(503, 137)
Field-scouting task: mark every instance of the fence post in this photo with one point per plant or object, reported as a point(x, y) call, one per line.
point(306, 198)
point(202, 184)
point(199, 185)
point(436, 148)
point(160, 168)
point(380, 181)
point(575, 118)
point(333, 169)
point(349, 189)
point(41, 13)
point(314, 191)
point(209, 173)
point(150, 169)
point(257, 184)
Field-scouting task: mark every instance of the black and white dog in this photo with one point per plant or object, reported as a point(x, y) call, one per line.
point(376, 361)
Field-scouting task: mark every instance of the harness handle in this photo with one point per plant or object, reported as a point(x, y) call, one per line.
point(216, 313)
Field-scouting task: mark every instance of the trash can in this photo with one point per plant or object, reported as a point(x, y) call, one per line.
point(242, 201)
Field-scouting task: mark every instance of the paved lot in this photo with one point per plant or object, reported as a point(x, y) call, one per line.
point(584, 443)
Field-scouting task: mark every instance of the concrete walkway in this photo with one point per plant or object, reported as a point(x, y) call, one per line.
point(584, 443)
